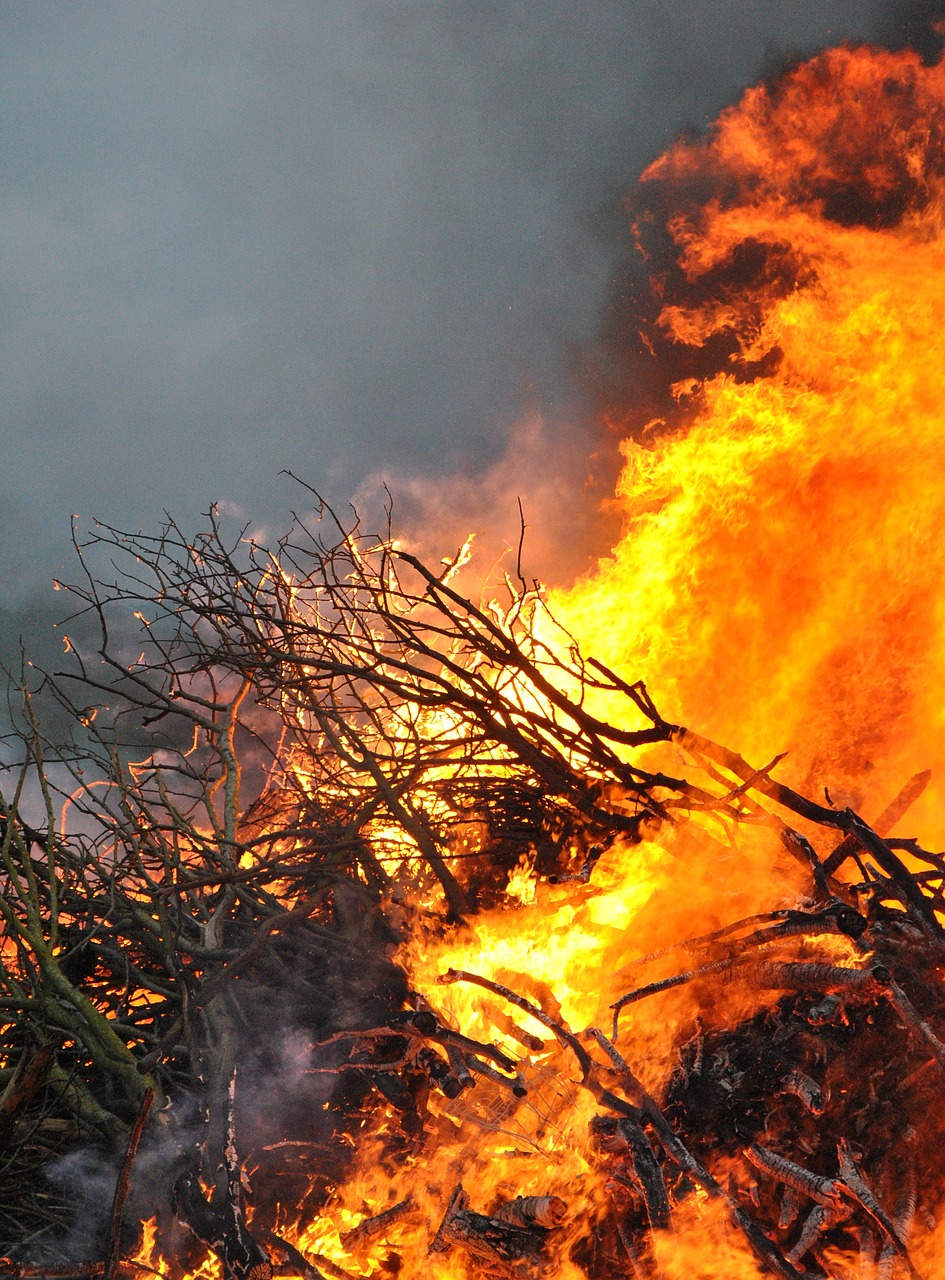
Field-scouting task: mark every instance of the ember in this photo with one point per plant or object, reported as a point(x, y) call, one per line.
point(505, 972)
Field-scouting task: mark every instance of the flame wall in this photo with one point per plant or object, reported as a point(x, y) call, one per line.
point(779, 578)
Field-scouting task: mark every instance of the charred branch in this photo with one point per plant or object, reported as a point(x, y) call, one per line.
point(426, 743)
point(355, 1239)
point(489, 1240)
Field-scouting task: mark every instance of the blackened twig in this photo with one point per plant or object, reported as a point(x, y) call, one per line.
point(677, 1151)
point(886, 821)
point(858, 1188)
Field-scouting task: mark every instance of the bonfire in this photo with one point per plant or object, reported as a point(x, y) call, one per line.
point(377, 926)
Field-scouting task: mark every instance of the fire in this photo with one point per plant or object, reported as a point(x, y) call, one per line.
point(779, 578)
point(778, 584)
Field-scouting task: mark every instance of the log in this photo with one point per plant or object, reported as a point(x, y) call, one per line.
point(488, 1239)
point(533, 1211)
point(220, 1225)
point(366, 1230)
point(123, 1183)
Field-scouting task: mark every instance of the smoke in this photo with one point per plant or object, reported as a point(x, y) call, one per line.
point(83, 1180)
point(539, 509)
point(913, 24)
point(349, 241)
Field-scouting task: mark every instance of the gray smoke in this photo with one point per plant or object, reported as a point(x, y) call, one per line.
point(346, 239)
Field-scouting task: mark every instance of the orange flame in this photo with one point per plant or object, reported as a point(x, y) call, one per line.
point(779, 579)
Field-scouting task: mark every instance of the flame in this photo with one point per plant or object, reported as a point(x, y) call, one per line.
point(777, 583)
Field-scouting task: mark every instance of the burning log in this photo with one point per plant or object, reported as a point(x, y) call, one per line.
point(285, 1254)
point(820, 1219)
point(857, 1187)
point(219, 1221)
point(492, 1241)
point(621, 1134)
point(631, 1250)
point(439, 1072)
point(533, 1043)
point(355, 1239)
point(825, 1011)
point(474, 1047)
point(222, 1227)
point(807, 1090)
point(460, 1067)
point(774, 975)
point(533, 1211)
point(829, 978)
point(918, 1025)
point(826, 1191)
point(903, 1215)
point(394, 1089)
point(790, 1207)
point(516, 1085)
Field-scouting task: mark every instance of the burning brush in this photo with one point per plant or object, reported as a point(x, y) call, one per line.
point(504, 973)
point(353, 1082)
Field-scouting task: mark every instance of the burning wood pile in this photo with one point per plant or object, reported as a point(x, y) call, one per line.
point(366, 930)
point(298, 1037)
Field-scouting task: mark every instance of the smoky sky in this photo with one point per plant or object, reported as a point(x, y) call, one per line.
point(339, 238)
